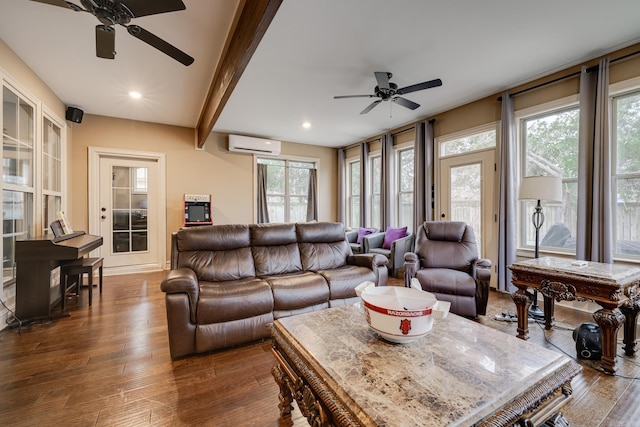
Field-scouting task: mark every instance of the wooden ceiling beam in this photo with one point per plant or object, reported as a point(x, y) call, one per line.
point(255, 17)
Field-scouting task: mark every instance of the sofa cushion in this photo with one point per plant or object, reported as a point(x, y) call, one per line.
point(322, 245)
point(393, 234)
point(216, 253)
point(233, 300)
point(362, 231)
point(275, 249)
point(293, 291)
point(219, 266)
point(444, 280)
point(449, 231)
point(343, 281)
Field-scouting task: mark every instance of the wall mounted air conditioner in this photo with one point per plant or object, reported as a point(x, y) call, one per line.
point(250, 145)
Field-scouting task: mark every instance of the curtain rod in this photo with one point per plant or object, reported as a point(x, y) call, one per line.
point(357, 144)
point(568, 76)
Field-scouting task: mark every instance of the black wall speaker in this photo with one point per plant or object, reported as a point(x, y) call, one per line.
point(74, 114)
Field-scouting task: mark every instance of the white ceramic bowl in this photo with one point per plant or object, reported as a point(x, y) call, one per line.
point(399, 314)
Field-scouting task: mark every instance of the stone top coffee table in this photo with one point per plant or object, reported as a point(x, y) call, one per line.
point(461, 374)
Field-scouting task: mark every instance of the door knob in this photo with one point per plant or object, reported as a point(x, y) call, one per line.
point(103, 209)
point(103, 217)
point(442, 215)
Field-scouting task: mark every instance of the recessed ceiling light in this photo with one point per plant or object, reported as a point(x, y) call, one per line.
point(135, 95)
point(306, 125)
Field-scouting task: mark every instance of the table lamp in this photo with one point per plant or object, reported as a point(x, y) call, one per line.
point(539, 188)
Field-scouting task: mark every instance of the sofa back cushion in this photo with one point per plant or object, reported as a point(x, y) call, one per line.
point(446, 244)
point(275, 249)
point(322, 245)
point(216, 253)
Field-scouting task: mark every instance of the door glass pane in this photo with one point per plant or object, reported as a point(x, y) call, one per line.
point(466, 197)
point(129, 209)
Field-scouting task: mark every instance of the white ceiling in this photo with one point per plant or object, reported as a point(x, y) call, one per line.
point(314, 50)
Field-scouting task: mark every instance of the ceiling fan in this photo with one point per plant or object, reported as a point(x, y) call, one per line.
point(388, 91)
point(112, 12)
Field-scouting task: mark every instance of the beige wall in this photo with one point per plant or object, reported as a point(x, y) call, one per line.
point(487, 110)
point(13, 66)
point(228, 177)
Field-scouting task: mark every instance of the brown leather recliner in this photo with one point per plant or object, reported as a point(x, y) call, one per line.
point(445, 262)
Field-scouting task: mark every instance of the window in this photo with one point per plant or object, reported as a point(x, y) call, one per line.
point(353, 194)
point(550, 146)
point(467, 144)
point(404, 186)
point(626, 173)
point(287, 189)
point(18, 139)
point(51, 172)
point(375, 175)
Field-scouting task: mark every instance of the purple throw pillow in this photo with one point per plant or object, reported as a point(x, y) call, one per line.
point(363, 232)
point(393, 234)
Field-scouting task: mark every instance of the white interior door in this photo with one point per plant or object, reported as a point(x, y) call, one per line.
point(467, 184)
point(129, 211)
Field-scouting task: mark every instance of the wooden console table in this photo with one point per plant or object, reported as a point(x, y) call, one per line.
point(613, 286)
point(462, 373)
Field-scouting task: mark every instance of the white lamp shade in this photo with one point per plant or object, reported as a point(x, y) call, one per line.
point(541, 188)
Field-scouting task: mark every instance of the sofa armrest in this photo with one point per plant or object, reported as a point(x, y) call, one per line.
point(411, 263)
point(352, 236)
point(375, 262)
point(183, 280)
point(482, 274)
point(373, 240)
point(400, 247)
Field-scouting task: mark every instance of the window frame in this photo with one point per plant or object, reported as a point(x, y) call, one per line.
point(315, 164)
point(351, 196)
point(374, 222)
point(524, 216)
point(397, 184)
point(617, 90)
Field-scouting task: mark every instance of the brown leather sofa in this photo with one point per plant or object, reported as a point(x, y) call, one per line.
point(445, 262)
point(228, 283)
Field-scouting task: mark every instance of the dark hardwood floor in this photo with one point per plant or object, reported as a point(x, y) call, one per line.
point(109, 365)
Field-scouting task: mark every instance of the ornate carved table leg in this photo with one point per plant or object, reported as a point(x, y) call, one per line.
point(630, 310)
point(610, 322)
point(523, 302)
point(549, 306)
point(285, 397)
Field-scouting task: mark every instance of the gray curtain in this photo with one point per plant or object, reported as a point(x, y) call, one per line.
point(595, 224)
point(423, 174)
point(364, 172)
point(312, 201)
point(386, 191)
point(263, 212)
point(508, 196)
point(342, 211)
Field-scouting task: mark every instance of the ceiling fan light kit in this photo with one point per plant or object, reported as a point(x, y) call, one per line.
point(115, 12)
point(387, 91)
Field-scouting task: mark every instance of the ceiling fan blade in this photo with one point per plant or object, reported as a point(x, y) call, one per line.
point(105, 42)
point(405, 102)
point(419, 86)
point(160, 44)
point(370, 106)
point(353, 96)
point(382, 77)
point(60, 3)
point(152, 7)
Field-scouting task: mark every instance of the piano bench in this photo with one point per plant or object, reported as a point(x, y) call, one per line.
point(78, 268)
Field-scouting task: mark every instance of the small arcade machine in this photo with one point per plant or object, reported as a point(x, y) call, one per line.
point(197, 210)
